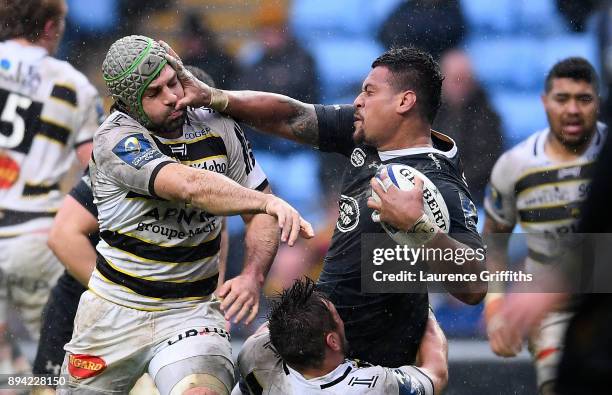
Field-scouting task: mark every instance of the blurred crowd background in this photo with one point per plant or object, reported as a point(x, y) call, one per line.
point(495, 55)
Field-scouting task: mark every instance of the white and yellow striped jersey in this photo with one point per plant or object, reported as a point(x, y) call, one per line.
point(543, 195)
point(156, 254)
point(47, 109)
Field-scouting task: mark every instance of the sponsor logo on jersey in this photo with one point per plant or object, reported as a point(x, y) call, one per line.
point(180, 149)
point(136, 151)
point(369, 382)
point(470, 214)
point(205, 131)
point(216, 165)
point(199, 332)
point(358, 157)
point(348, 217)
point(569, 172)
point(9, 171)
point(82, 366)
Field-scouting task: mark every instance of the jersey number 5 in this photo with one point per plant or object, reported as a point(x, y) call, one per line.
point(17, 120)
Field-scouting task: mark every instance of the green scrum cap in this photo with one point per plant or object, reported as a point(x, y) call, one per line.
point(130, 65)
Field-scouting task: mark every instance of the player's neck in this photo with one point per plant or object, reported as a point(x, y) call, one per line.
point(27, 43)
point(558, 151)
point(411, 134)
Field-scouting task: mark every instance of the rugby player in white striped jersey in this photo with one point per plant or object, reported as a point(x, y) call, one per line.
point(541, 184)
point(161, 179)
point(48, 114)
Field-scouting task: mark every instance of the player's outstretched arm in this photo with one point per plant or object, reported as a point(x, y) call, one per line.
point(433, 354)
point(241, 293)
point(269, 112)
point(69, 240)
point(220, 195)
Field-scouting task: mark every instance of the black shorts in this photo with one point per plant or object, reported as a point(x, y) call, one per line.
point(57, 324)
point(382, 329)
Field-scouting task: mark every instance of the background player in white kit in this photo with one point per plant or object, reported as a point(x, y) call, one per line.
point(541, 184)
point(150, 303)
point(48, 114)
point(303, 351)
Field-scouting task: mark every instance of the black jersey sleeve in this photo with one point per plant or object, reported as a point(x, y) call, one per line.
point(335, 128)
point(82, 193)
point(463, 215)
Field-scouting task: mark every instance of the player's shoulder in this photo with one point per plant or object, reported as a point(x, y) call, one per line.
point(257, 352)
point(65, 74)
point(116, 127)
point(528, 149)
point(518, 159)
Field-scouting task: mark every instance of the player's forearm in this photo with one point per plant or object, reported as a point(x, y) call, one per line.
point(470, 292)
point(75, 252)
point(261, 244)
point(208, 191)
point(433, 355)
point(276, 114)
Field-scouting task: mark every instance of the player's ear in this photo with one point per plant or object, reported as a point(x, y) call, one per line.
point(407, 102)
point(333, 341)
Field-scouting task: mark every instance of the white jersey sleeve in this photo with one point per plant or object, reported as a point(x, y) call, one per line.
point(126, 153)
point(500, 198)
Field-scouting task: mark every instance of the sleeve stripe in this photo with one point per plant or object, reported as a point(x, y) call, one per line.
point(245, 148)
point(154, 175)
point(263, 185)
point(64, 93)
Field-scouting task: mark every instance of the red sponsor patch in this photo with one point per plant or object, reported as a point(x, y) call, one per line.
point(83, 366)
point(9, 171)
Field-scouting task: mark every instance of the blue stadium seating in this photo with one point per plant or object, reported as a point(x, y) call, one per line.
point(343, 64)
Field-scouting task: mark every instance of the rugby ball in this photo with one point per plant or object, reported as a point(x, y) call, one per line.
point(402, 176)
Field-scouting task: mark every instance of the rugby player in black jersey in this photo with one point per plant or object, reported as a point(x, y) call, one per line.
point(389, 122)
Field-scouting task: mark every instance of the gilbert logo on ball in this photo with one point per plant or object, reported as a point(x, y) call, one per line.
point(434, 206)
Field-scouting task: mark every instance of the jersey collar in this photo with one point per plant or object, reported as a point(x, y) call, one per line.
point(438, 140)
point(26, 51)
point(330, 379)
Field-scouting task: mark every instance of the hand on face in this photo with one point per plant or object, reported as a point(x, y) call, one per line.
point(197, 93)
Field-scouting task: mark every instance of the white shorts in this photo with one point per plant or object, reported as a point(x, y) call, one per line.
point(112, 346)
point(28, 271)
point(546, 345)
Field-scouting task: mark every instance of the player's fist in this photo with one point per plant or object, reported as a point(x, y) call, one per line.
point(504, 341)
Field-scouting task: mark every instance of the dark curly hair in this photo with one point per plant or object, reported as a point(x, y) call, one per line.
point(416, 70)
point(575, 68)
point(298, 322)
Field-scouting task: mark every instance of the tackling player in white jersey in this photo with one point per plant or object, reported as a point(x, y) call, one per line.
point(303, 351)
point(161, 178)
point(48, 114)
point(541, 184)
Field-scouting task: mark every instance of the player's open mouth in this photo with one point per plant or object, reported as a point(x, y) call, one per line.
point(572, 127)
